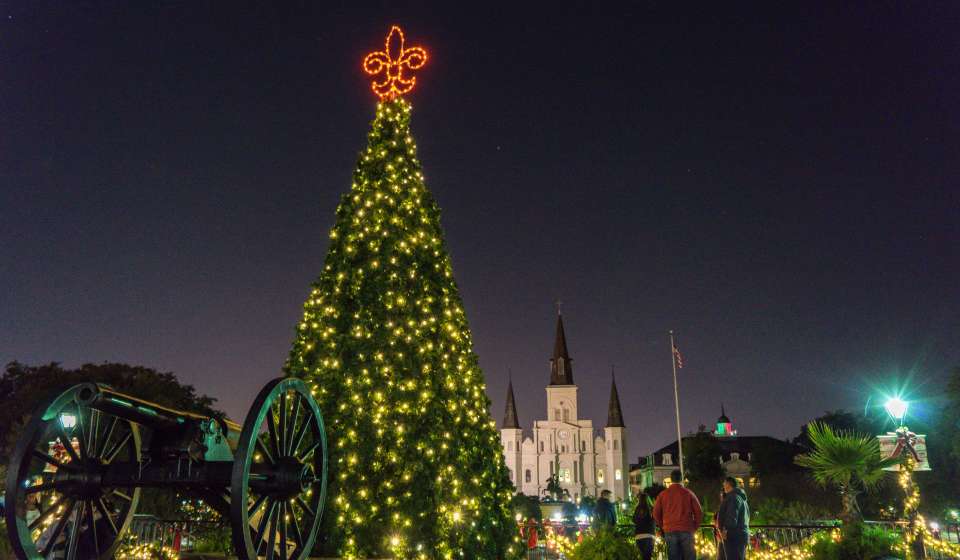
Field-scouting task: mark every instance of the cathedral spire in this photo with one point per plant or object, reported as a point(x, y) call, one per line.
point(510, 418)
point(561, 367)
point(614, 414)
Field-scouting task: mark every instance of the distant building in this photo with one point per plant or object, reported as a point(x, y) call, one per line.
point(565, 445)
point(736, 454)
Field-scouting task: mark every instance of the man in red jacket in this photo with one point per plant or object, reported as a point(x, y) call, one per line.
point(678, 514)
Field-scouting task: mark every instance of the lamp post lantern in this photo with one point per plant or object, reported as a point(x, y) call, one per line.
point(897, 409)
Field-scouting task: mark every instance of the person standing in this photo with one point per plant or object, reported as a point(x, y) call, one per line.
point(644, 528)
point(678, 513)
point(717, 538)
point(604, 516)
point(733, 519)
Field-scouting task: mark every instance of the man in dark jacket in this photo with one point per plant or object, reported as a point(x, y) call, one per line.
point(603, 513)
point(733, 518)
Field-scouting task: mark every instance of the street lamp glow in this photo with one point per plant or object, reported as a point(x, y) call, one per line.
point(69, 421)
point(896, 408)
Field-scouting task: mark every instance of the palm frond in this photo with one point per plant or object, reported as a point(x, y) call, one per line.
point(843, 458)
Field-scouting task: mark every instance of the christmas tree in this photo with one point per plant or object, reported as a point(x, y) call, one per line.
point(416, 465)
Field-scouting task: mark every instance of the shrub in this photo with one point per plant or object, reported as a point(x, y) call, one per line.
point(774, 511)
point(858, 542)
point(6, 551)
point(604, 545)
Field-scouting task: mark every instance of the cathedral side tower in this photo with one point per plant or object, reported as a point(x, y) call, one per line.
point(615, 438)
point(511, 436)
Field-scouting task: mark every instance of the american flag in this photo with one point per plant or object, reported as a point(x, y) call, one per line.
point(678, 357)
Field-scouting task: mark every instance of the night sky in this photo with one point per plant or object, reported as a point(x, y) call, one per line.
point(778, 185)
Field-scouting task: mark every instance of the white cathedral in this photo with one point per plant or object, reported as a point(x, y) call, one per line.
point(564, 445)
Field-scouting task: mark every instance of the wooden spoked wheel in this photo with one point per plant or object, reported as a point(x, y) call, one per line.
point(55, 504)
point(279, 474)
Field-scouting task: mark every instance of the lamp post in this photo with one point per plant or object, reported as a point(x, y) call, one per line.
point(897, 409)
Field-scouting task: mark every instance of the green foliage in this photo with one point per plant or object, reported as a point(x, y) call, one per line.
point(939, 487)
point(701, 455)
point(654, 490)
point(384, 341)
point(6, 550)
point(773, 511)
point(605, 544)
point(526, 506)
point(839, 421)
point(569, 511)
point(23, 387)
point(857, 542)
point(773, 457)
point(587, 503)
point(847, 460)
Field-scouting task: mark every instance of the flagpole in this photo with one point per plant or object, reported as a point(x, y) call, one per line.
point(676, 403)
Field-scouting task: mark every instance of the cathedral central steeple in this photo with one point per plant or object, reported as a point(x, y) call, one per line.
point(561, 367)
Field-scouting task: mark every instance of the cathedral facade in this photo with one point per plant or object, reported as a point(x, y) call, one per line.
point(563, 445)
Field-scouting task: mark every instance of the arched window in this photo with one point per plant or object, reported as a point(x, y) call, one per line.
point(566, 414)
point(616, 445)
point(583, 446)
point(541, 446)
point(599, 476)
point(617, 475)
point(527, 476)
point(556, 414)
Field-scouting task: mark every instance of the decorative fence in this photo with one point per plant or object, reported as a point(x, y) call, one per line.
point(189, 536)
point(180, 535)
point(554, 538)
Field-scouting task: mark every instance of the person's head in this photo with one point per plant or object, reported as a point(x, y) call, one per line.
point(644, 503)
point(676, 476)
point(605, 494)
point(730, 483)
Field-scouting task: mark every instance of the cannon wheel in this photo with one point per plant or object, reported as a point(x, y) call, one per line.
point(55, 505)
point(279, 474)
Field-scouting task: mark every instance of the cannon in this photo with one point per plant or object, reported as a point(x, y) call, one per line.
point(78, 467)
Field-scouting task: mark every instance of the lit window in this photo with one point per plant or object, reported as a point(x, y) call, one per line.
point(617, 474)
point(564, 475)
point(667, 459)
point(600, 476)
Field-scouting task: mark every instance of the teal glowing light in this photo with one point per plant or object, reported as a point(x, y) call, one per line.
point(896, 408)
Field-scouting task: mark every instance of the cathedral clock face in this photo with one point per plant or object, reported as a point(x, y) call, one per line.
point(563, 434)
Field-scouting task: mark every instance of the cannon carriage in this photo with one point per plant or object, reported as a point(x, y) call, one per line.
point(74, 479)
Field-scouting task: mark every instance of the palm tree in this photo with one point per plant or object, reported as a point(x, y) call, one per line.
point(848, 460)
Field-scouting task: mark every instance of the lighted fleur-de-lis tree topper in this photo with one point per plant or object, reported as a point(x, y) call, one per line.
point(392, 68)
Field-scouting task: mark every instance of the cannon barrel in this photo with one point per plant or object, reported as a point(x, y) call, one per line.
point(145, 413)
